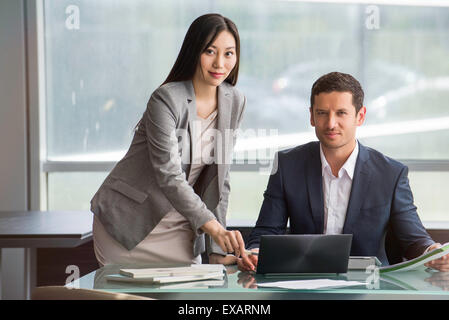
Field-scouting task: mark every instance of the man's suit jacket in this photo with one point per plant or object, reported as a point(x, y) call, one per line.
point(380, 200)
point(151, 179)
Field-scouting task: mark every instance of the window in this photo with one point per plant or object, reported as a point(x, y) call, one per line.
point(104, 59)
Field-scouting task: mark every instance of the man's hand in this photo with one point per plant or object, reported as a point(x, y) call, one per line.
point(245, 266)
point(441, 264)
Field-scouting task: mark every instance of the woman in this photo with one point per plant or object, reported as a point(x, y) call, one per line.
point(172, 186)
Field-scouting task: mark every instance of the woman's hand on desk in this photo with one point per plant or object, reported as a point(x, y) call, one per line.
point(229, 241)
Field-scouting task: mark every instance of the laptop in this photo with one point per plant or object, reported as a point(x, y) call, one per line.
point(304, 254)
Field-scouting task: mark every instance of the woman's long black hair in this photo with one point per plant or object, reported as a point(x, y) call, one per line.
point(201, 34)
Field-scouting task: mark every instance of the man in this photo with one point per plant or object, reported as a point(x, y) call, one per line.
point(337, 185)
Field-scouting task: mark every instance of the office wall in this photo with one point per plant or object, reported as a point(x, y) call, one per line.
point(13, 137)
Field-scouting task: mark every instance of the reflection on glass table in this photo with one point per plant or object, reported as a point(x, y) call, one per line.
point(423, 279)
point(418, 284)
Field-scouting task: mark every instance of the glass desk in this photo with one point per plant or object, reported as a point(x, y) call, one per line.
point(422, 284)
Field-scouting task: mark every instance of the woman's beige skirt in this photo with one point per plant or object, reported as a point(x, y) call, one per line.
point(171, 241)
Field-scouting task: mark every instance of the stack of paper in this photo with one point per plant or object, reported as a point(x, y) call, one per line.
point(204, 284)
point(169, 275)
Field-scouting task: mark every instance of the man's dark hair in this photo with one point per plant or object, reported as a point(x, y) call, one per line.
point(341, 82)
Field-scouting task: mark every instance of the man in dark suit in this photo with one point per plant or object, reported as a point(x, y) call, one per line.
point(338, 185)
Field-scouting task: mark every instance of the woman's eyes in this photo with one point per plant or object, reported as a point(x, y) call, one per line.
point(212, 51)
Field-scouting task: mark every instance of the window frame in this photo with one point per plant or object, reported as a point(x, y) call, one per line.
point(40, 167)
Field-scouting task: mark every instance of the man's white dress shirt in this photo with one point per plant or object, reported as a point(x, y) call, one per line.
point(336, 192)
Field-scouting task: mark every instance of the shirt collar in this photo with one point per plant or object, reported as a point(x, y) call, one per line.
point(348, 166)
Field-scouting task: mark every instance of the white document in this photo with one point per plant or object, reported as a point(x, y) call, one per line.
point(418, 261)
point(311, 284)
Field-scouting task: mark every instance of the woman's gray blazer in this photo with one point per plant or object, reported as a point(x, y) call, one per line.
point(151, 179)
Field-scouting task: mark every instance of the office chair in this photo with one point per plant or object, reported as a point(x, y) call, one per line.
point(64, 293)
